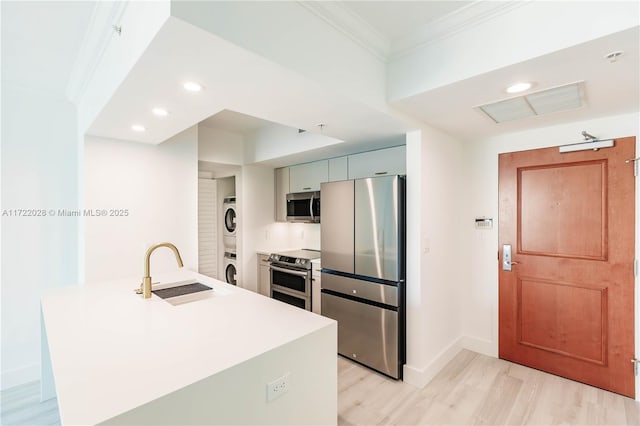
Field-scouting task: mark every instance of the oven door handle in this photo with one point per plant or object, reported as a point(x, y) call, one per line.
point(288, 271)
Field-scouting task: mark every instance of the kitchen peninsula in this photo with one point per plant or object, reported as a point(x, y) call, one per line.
point(120, 359)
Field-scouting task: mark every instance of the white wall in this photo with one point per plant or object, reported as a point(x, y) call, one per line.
point(254, 189)
point(140, 22)
point(278, 141)
point(303, 235)
point(257, 230)
point(39, 171)
point(220, 146)
point(255, 211)
point(221, 154)
point(281, 236)
point(436, 200)
point(226, 188)
point(480, 286)
point(289, 34)
point(158, 185)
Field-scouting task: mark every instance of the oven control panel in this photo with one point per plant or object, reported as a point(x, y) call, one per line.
point(295, 262)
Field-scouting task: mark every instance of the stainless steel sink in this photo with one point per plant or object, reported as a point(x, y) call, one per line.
point(183, 292)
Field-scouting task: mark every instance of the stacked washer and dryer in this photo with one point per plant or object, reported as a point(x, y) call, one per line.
point(229, 239)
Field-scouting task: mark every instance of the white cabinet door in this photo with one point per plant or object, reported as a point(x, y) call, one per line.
point(307, 177)
point(338, 169)
point(281, 191)
point(390, 161)
point(264, 279)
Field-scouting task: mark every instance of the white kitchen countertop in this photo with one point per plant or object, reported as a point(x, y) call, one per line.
point(265, 252)
point(113, 351)
point(268, 252)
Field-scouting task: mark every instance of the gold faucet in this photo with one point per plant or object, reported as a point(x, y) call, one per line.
point(145, 287)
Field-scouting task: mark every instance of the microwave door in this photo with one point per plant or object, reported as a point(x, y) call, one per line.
point(303, 207)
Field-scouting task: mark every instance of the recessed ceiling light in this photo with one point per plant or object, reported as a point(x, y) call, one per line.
point(138, 128)
point(519, 87)
point(160, 111)
point(192, 86)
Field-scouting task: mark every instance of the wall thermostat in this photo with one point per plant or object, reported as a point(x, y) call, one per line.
point(484, 223)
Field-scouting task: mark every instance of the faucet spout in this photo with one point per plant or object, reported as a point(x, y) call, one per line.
point(146, 280)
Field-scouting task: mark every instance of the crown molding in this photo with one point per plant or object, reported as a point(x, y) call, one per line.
point(452, 23)
point(352, 25)
point(97, 37)
point(343, 19)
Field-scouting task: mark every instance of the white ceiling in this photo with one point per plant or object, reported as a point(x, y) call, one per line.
point(248, 83)
point(235, 122)
point(610, 88)
point(396, 19)
point(40, 42)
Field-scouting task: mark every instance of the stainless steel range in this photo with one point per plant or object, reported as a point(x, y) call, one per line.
point(291, 276)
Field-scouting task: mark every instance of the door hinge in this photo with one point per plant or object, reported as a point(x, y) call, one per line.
point(635, 268)
point(635, 362)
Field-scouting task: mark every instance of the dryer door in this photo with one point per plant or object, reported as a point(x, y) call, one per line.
point(230, 220)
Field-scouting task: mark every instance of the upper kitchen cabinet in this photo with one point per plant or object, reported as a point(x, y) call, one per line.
point(281, 191)
point(338, 169)
point(383, 162)
point(307, 177)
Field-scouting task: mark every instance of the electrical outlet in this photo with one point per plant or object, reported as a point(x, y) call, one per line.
point(278, 387)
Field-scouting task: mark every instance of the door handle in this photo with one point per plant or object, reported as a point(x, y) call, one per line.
point(506, 258)
point(311, 209)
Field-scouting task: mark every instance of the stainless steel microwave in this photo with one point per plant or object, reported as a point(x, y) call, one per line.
point(303, 207)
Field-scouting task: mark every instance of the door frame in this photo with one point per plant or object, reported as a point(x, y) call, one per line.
point(495, 313)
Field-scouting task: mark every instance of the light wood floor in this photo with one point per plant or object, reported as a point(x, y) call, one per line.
point(475, 389)
point(471, 389)
point(21, 406)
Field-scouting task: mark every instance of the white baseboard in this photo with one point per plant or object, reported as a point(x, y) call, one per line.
point(481, 346)
point(20, 376)
point(420, 377)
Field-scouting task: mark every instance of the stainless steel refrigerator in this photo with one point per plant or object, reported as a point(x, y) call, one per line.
point(363, 269)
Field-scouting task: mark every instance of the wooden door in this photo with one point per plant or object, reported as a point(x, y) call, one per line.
point(567, 305)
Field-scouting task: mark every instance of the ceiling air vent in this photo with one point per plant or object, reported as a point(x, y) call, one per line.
point(562, 98)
